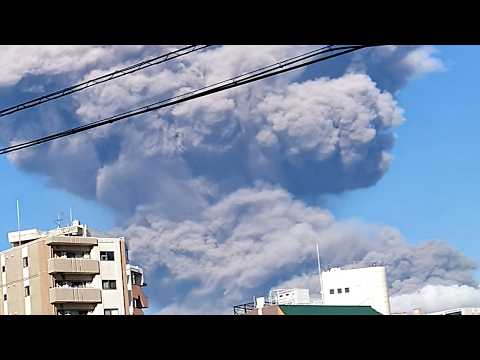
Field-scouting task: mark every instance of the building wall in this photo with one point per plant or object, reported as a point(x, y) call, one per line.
point(3, 281)
point(123, 263)
point(14, 283)
point(290, 296)
point(110, 270)
point(16, 277)
point(36, 276)
point(367, 286)
point(267, 310)
point(39, 279)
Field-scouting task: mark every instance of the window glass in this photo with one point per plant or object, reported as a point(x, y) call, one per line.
point(27, 291)
point(107, 256)
point(332, 291)
point(347, 290)
point(136, 278)
point(109, 284)
point(136, 303)
point(339, 291)
point(25, 261)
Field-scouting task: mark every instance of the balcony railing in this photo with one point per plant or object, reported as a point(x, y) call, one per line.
point(60, 295)
point(71, 240)
point(73, 266)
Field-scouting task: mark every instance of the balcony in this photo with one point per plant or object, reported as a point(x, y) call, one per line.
point(139, 296)
point(71, 240)
point(73, 266)
point(75, 295)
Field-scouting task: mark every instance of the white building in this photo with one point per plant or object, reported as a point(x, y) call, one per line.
point(363, 286)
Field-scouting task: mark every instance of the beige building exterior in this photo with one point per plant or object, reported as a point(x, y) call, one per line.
point(67, 271)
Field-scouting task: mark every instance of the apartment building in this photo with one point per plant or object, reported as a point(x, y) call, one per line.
point(68, 271)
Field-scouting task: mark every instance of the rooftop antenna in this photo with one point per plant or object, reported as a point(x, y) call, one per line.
point(320, 274)
point(18, 223)
point(71, 216)
point(59, 220)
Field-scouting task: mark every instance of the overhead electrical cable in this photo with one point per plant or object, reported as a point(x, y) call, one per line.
point(102, 79)
point(251, 76)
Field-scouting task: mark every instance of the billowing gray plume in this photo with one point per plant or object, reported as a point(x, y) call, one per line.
point(210, 192)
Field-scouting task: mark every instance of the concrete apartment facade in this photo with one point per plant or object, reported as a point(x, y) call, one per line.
point(66, 271)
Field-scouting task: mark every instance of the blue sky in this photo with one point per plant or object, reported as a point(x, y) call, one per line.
point(40, 204)
point(430, 191)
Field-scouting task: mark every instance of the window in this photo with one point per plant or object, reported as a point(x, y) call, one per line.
point(339, 291)
point(107, 256)
point(25, 262)
point(71, 254)
point(347, 290)
point(332, 291)
point(72, 283)
point(3, 268)
point(110, 312)
point(59, 254)
point(4, 297)
point(109, 284)
point(72, 312)
point(136, 278)
point(137, 304)
point(27, 291)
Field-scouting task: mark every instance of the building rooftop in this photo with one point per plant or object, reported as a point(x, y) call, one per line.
point(327, 310)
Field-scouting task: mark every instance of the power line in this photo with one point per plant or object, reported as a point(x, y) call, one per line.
point(255, 75)
point(101, 79)
point(234, 82)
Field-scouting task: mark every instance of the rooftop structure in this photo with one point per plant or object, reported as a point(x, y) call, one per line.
point(458, 311)
point(361, 287)
point(314, 310)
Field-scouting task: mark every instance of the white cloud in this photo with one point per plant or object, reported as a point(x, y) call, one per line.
point(432, 298)
point(17, 62)
point(422, 60)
